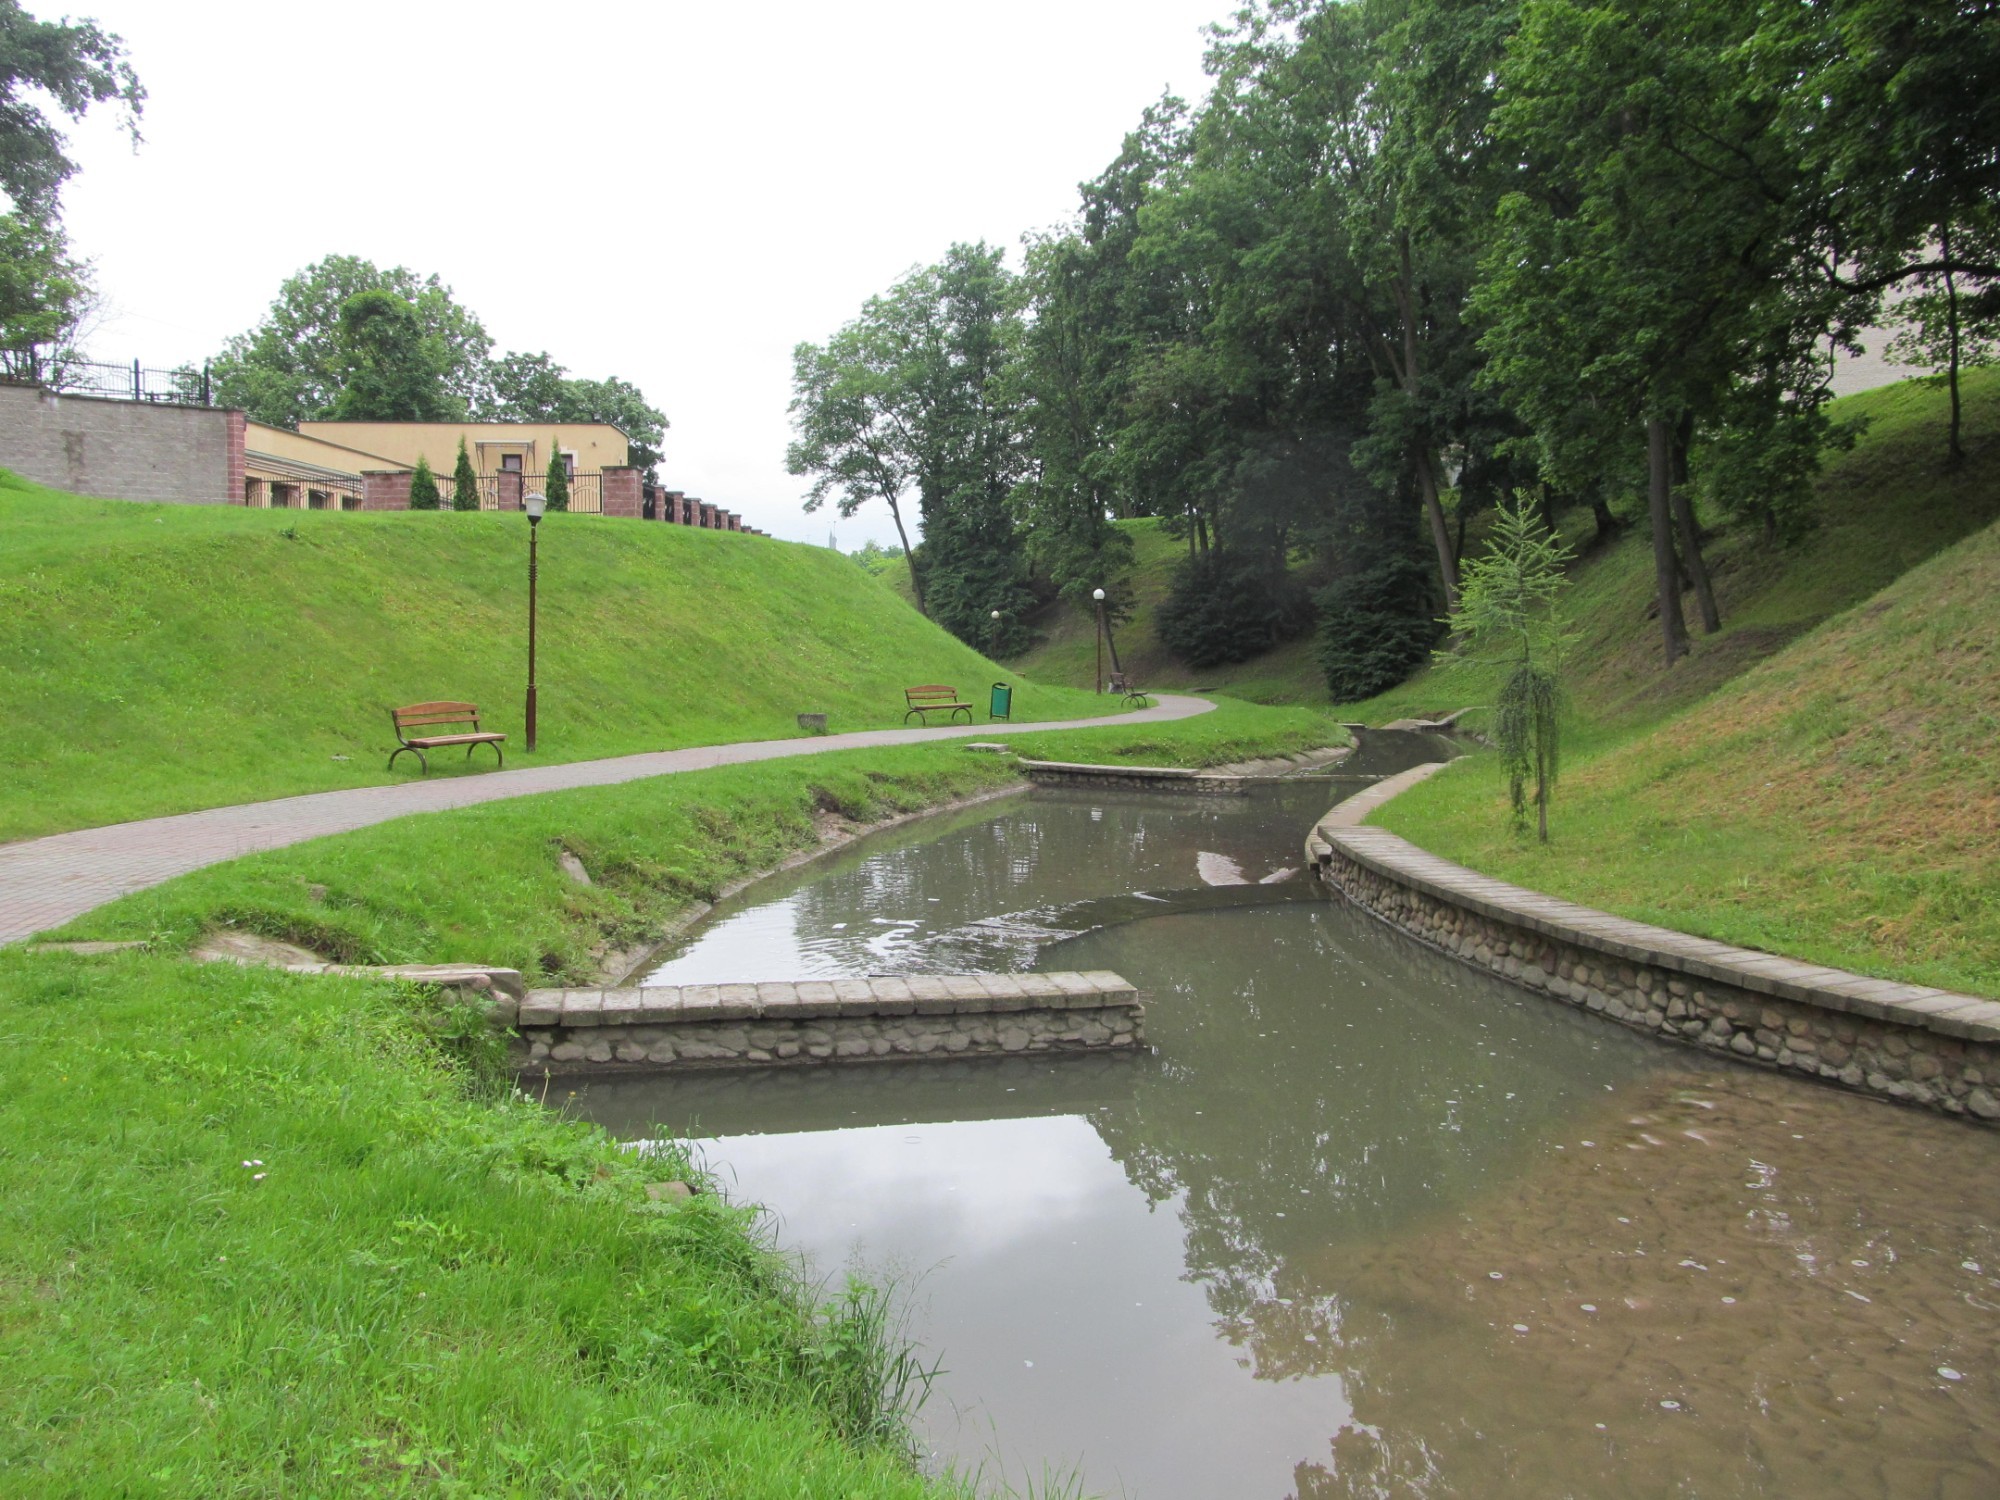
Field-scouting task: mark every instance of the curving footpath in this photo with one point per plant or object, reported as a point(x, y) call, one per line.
point(48, 881)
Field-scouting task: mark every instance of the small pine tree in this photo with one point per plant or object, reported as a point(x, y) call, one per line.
point(464, 482)
point(1510, 615)
point(424, 487)
point(556, 486)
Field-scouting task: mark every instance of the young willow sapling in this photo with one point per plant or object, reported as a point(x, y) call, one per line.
point(1510, 616)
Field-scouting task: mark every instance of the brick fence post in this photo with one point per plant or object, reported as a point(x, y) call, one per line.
point(671, 509)
point(508, 491)
point(238, 434)
point(386, 489)
point(620, 493)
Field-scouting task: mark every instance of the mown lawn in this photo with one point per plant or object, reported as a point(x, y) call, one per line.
point(266, 1235)
point(160, 658)
point(1837, 801)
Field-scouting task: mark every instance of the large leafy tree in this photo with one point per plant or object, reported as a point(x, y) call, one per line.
point(390, 369)
point(915, 396)
point(1894, 108)
point(45, 295)
point(534, 388)
point(1641, 269)
point(70, 65)
point(294, 366)
point(48, 68)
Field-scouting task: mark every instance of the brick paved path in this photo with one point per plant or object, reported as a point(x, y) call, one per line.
point(48, 881)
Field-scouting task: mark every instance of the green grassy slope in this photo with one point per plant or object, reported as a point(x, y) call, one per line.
point(1882, 507)
point(267, 1237)
point(1834, 798)
point(1838, 802)
point(159, 658)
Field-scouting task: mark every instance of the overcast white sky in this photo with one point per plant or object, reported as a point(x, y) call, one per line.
point(670, 192)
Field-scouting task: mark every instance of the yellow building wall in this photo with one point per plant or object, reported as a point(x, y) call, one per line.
point(280, 442)
point(597, 445)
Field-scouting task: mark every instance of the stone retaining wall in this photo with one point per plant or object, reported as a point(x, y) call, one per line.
point(1905, 1042)
point(1143, 778)
point(824, 1021)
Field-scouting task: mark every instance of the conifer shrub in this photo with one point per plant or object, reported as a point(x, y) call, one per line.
point(1225, 608)
point(424, 487)
point(1376, 627)
point(556, 484)
point(464, 482)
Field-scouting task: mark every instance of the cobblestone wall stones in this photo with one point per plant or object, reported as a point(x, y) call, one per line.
point(1904, 1042)
point(826, 1021)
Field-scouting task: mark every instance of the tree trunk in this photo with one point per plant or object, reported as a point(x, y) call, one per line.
point(1458, 542)
point(916, 578)
point(1440, 533)
point(1600, 510)
point(1690, 535)
point(1659, 508)
point(1955, 454)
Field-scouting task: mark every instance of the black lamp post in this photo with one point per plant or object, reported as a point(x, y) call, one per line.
point(1098, 595)
point(534, 505)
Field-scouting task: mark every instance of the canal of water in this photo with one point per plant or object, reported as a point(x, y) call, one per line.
point(1361, 1221)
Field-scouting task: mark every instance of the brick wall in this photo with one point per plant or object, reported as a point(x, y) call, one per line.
point(386, 489)
point(123, 450)
point(238, 430)
point(620, 493)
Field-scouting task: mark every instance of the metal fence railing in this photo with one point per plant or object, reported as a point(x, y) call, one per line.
point(186, 385)
point(503, 491)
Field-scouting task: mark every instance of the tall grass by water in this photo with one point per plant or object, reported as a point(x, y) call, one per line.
point(268, 1235)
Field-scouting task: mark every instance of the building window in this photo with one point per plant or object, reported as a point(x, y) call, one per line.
point(569, 466)
point(510, 463)
point(281, 497)
point(253, 493)
point(350, 502)
point(316, 500)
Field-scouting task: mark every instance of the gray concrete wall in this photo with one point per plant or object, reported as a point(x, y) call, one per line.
point(121, 450)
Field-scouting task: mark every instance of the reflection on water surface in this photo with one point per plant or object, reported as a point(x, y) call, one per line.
point(1364, 1222)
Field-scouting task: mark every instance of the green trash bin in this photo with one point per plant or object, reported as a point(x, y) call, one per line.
point(1002, 706)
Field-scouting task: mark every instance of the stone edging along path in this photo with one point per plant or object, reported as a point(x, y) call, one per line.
point(1906, 1042)
point(48, 881)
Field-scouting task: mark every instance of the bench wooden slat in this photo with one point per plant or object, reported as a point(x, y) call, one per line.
point(442, 712)
point(933, 697)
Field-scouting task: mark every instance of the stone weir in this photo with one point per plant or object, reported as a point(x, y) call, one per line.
point(813, 1021)
point(1898, 1041)
point(1233, 780)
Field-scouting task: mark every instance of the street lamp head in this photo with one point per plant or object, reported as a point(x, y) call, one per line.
point(996, 614)
point(1098, 595)
point(535, 504)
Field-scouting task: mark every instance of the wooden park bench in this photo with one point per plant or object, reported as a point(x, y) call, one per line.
point(934, 698)
point(1129, 696)
point(418, 714)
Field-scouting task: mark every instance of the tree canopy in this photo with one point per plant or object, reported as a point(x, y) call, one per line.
point(346, 339)
point(1410, 259)
point(70, 65)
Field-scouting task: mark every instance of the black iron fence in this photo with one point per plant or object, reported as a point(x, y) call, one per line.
point(504, 491)
point(185, 386)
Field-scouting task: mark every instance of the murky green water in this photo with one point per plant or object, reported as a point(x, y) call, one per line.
point(1363, 1222)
